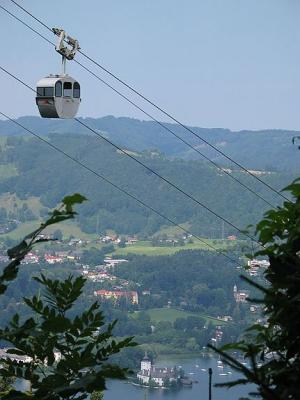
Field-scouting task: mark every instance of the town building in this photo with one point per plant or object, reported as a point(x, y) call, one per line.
point(50, 259)
point(131, 296)
point(96, 276)
point(150, 374)
point(30, 258)
point(240, 296)
point(231, 237)
point(258, 263)
point(109, 262)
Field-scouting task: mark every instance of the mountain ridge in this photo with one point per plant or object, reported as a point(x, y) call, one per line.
point(270, 149)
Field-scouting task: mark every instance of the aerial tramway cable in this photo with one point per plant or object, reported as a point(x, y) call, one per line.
point(100, 176)
point(149, 115)
point(128, 86)
point(183, 192)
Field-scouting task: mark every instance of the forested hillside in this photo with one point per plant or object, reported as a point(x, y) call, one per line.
point(31, 168)
point(269, 149)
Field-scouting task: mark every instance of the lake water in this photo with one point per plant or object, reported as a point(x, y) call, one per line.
point(197, 370)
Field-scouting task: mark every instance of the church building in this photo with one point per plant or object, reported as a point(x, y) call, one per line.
point(156, 375)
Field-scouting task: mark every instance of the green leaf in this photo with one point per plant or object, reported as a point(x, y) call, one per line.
point(18, 250)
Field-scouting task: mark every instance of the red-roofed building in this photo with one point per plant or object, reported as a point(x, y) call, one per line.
point(53, 259)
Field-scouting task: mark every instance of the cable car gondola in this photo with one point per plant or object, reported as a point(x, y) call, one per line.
point(58, 96)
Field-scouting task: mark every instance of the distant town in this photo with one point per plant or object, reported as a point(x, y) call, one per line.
point(116, 289)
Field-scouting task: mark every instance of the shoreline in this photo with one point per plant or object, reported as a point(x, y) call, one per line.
point(148, 387)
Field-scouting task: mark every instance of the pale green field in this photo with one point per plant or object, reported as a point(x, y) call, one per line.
point(171, 314)
point(146, 248)
point(8, 201)
point(70, 228)
point(3, 141)
point(7, 171)
point(172, 231)
point(67, 228)
point(21, 231)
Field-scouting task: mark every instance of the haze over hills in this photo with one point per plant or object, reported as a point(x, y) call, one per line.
point(31, 169)
point(268, 150)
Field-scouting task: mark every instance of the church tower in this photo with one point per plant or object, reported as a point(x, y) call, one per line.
point(235, 292)
point(146, 363)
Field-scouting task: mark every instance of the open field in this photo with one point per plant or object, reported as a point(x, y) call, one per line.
point(11, 201)
point(68, 229)
point(172, 230)
point(3, 142)
point(171, 314)
point(7, 171)
point(165, 349)
point(146, 248)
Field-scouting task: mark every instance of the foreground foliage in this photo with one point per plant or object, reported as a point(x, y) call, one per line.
point(66, 356)
point(273, 348)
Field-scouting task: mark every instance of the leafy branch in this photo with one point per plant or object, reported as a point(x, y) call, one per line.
point(61, 357)
point(273, 347)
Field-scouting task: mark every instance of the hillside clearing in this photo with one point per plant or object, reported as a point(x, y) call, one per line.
point(171, 314)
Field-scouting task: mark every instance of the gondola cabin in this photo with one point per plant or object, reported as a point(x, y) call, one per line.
point(58, 96)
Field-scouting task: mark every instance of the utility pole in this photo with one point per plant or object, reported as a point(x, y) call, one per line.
point(209, 383)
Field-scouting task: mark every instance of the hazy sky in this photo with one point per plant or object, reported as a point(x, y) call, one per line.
point(211, 63)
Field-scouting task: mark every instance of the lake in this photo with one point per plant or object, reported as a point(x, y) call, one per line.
point(197, 370)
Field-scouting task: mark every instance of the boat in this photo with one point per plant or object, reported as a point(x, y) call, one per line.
point(186, 382)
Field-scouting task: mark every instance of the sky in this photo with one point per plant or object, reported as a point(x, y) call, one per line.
point(210, 63)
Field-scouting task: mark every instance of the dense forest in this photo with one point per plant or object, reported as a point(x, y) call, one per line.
point(33, 169)
point(195, 280)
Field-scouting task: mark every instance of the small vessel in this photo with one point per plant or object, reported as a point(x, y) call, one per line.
point(186, 382)
point(203, 369)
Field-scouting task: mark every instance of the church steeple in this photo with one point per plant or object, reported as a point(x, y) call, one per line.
point(146, 363)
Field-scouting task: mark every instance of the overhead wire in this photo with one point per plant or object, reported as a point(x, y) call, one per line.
point(130, 87)
point(176, 187)
point(141, 202)
point(223, 170)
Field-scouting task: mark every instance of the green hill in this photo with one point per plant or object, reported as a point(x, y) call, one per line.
point(34, 170)
point(269, 149)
